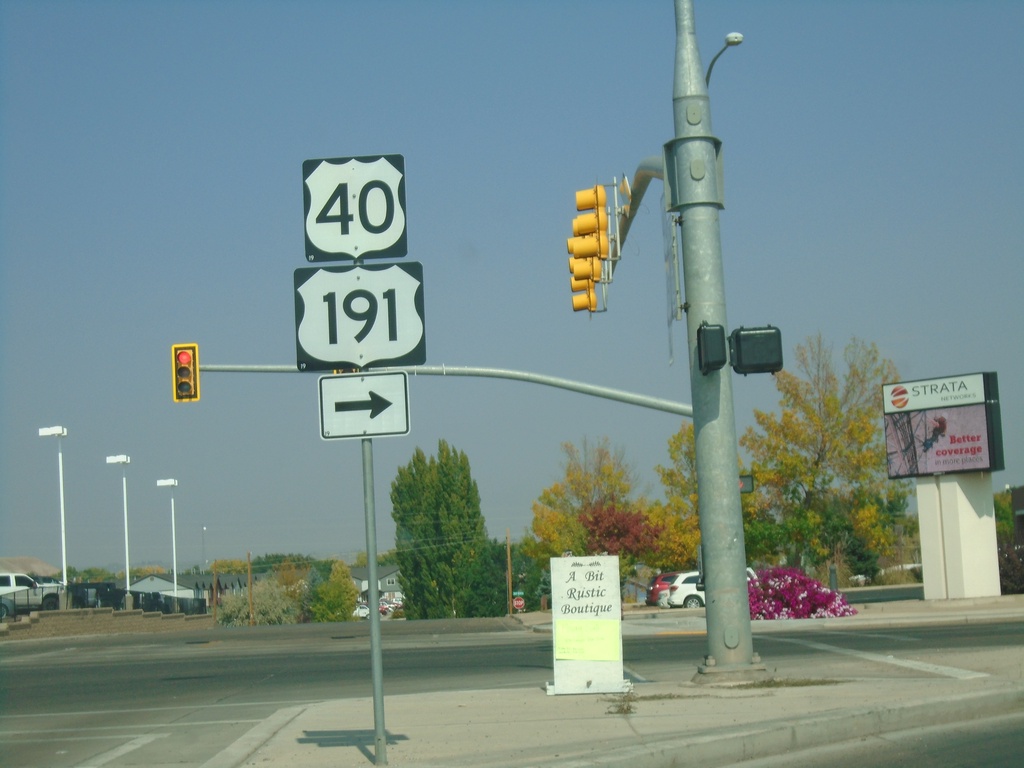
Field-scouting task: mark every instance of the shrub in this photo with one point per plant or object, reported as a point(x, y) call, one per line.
point(270, 605)
point(1011, 567)
point(786, 593)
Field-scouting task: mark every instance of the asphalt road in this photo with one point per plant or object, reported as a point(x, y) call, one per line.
point(181, 698)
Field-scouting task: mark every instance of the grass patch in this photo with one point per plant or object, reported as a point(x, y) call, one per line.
point(624, 704)
point(775, 682)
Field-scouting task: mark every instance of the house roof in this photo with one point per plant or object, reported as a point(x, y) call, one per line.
point(383, 571)
point(203, 581)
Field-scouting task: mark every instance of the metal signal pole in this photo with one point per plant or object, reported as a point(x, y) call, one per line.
point(693, 181)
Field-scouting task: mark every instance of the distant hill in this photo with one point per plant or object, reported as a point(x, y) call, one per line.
point(32, 565)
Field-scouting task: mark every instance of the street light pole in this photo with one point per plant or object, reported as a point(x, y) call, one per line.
point(171, 483)
point(693, 180)
point(124, 460)
point(60, 432)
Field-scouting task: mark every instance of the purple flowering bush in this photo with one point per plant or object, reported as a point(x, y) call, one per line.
point(786, 593)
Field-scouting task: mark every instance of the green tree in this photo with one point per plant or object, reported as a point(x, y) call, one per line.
point(487, 582)
point(91, 575)
point(229, 566)
point(820, 464)
point(334, 599)
point(388, 557)
point(1004, 515)
point(277, 561)
point(439, 532)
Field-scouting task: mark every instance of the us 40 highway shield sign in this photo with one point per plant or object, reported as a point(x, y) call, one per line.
point(354, 208)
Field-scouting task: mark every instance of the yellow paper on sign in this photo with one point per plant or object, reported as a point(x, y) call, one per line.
point(588, 640)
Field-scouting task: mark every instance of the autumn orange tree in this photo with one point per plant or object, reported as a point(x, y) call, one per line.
point(677, 518)
point(819, 465)
point(592, 509)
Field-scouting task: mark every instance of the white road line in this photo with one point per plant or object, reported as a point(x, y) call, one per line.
point(97, 729)
point(180, 708)
point(124, 749)
point(920, 666)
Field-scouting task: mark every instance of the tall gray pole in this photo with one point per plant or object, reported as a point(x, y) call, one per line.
point(376, 656)
point(127, 567)
point(174, 555)
point(63, 533)
point(693, 180)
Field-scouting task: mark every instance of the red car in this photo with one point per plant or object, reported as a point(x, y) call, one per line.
point(658, 584)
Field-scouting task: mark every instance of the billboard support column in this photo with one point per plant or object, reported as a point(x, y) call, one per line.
point(957, 520)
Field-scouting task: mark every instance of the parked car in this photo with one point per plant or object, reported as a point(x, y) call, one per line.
point(658, 585)
point(683, 592)
point(20, 593)
point(362, 611)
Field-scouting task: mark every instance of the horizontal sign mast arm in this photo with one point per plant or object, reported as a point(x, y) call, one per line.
point(644, 401)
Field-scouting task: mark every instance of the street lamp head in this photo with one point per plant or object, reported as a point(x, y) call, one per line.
point(164, 483)
point(119, 459)
point(53, 432)
point(731, 40)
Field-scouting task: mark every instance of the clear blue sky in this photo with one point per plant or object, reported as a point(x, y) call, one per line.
point(151, 193)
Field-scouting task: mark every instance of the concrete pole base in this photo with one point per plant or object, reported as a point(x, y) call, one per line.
point(730, 675)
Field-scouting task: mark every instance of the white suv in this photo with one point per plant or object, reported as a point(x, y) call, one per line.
point(683, 592)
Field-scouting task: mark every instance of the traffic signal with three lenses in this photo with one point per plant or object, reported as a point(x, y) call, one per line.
point(185, 370)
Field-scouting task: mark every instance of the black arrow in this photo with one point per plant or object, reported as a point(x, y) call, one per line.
point(375, 405)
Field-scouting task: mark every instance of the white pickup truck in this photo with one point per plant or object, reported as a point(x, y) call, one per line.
point(20, 594)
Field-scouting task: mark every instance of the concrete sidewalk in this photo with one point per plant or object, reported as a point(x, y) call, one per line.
point(824, 697)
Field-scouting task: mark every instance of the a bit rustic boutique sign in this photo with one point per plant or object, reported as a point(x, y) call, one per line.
point(586, 606)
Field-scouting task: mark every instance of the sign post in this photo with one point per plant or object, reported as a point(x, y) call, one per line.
point(355, 317)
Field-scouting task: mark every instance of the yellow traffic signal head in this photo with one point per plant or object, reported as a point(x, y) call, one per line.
point(590, 223)
point(588, 246)
point(585, 274)
point(585, 300)
point(595, 197)
point(585, 269)
point(185, 372)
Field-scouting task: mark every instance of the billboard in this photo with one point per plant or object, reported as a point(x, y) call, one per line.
point(941, 426)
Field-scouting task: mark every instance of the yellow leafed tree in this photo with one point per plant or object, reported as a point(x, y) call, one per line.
point(820, 462)
point(596, 478)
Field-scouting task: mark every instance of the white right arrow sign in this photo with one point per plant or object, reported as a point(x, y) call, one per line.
point(364, 405)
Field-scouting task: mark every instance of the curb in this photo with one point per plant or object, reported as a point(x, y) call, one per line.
point(719, 748)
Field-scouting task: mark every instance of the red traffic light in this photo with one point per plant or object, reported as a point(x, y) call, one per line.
point(185, 370)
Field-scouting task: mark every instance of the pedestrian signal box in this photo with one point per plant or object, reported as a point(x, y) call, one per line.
point(756, 350)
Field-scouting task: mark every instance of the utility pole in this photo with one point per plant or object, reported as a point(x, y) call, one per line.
point(693, 181)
